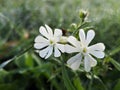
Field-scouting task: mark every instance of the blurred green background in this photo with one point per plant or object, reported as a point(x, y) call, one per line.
point(19, 24)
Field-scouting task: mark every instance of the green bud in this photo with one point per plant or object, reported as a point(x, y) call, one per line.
point(74, 25)
point(83, 14)
point(63, 40)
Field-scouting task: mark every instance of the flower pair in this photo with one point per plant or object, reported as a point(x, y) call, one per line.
point(49, 42)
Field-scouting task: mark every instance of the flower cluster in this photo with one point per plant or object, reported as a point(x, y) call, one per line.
point(48, 42)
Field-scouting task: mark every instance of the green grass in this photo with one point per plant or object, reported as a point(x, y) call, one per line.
point(19, 24)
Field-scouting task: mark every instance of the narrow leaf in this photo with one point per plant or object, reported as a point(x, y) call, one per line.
point(29, 60)
point(77, 83)
point(115, 63)
point(117, 86)
point(66, 79)
point(5, 63)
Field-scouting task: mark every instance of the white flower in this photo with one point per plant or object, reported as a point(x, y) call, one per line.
point(48, 42)
point(85, 52)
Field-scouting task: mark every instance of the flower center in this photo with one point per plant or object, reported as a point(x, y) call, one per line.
point(84, 50)
point(52, 41)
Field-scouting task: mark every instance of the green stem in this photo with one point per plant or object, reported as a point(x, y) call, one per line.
point(114, 51)
point(91, 81)
point(79, 26)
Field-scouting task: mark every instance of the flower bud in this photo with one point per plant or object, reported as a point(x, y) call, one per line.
point(83, 14)
point(74, 25)
point(63, 39)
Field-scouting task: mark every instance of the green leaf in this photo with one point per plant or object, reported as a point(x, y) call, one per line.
point(20, 62)
point(7, 87)
point(117, 86)
point(115, 63)
point(37, 59)
point(3, 74)
point(25, 61)
point(66, 79)
point(29, 60)
point(77, 83)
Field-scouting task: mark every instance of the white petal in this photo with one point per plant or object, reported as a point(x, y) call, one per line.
point(93, 62)
point(50, 32)
point(74, 62)
point(49, 52)
point(43, 31)
point(98, 54)
point(61, 47)
point(82, 36)
point(70, 49)
point(90, 36)
point(40, 45)
point(40, 39)
point(97, 47)
point(73, 41)
point(58, 33)
point(57, 53)
point(87, 63)
point(44, 52)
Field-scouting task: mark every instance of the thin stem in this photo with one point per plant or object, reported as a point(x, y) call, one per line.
point(102, 83)
point(114, 51)
point(79, 26)
point(91, 81)
point(57, 60)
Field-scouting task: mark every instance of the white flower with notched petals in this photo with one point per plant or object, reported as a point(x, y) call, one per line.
point(47, 42)
point(85, 52)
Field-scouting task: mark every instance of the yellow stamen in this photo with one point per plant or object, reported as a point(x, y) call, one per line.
point(84, 50)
